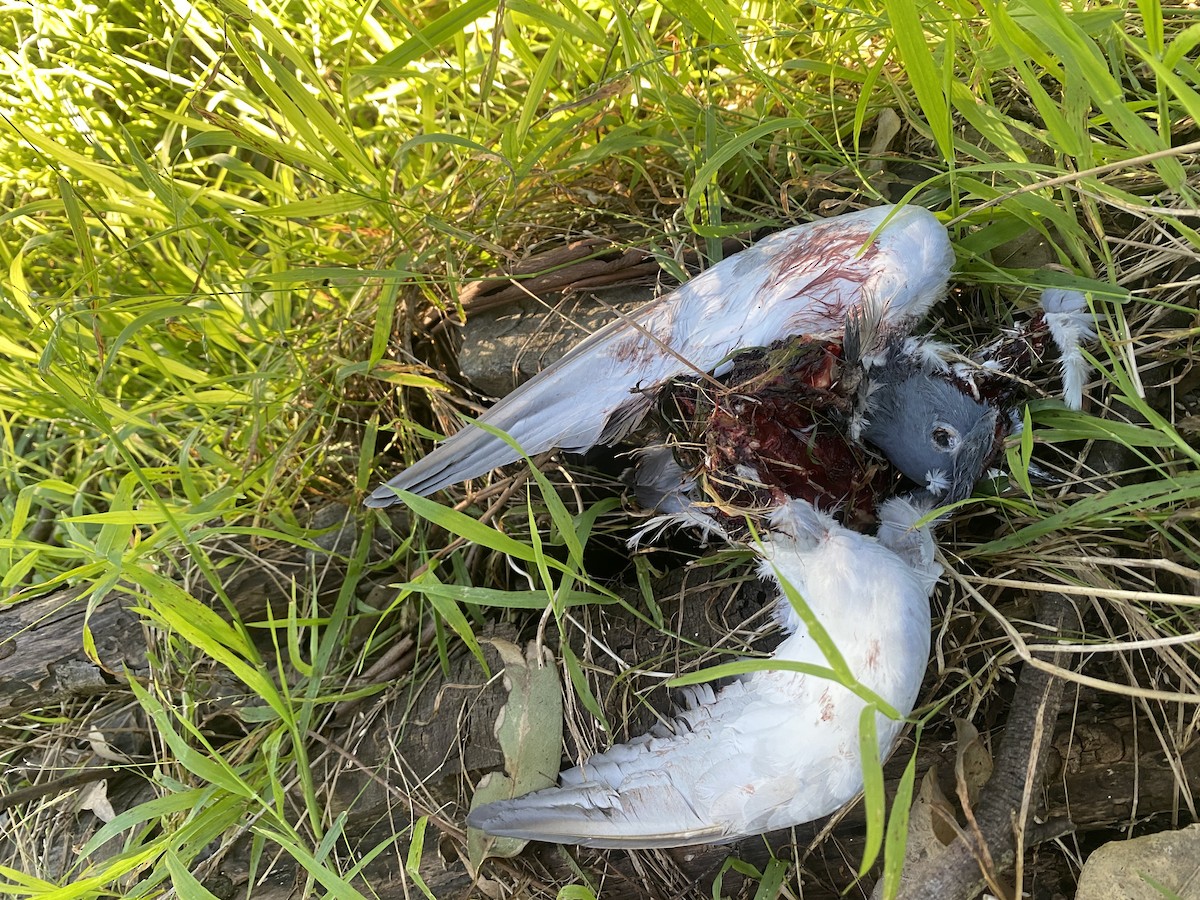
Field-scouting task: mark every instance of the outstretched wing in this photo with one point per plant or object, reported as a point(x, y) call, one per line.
point(704, 784)
point(775, 748)
point(804, 280)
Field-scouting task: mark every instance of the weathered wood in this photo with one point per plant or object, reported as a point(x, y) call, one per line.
point(999, 825)
point(42, 650)
point(42, 656)
point(588, 263)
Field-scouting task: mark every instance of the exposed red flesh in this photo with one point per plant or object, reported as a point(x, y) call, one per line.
point(783, 416)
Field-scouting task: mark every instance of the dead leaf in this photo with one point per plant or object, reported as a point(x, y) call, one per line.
point(887, 126)
point(942, 813)
point(972, 761)
point(932, 819)
point(103, 749)
point(529, 729)
point(930, 827)
point(94, 798)
point(933, 809)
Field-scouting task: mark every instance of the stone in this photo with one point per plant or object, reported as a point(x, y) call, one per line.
point(1160, 865)
point(502, 348)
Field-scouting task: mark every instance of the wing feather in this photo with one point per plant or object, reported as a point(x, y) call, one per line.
point(774, 748)
point(593, 815)
point(804, 280)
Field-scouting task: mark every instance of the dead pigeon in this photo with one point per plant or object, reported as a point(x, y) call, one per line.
point(802, 281)
point(777, 748)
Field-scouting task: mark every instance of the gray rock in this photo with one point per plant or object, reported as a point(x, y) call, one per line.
point(503, 348)
point(340, 528)
point(339, 532)
point(1130, 870)
point(1029, 250)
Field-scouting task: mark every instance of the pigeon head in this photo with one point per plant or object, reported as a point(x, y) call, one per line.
point(931, 430)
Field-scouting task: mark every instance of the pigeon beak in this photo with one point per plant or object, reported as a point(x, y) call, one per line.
point(973, 455)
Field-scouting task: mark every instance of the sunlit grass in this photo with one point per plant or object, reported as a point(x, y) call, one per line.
point(223, 227)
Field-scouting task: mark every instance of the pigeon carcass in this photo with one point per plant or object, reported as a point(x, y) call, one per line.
point(774, 748)
point(805, 280)
point(882, 267)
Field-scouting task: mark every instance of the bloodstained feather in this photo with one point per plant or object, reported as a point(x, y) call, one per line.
point(822, 242)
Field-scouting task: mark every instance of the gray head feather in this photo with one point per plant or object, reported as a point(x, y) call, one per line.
point(931, 431)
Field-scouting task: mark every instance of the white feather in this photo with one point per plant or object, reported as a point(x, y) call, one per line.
point(774, 748)
point(692, 516)
point(930, 354)
point(914, 545)
point(937, 482)
point(1070, 324)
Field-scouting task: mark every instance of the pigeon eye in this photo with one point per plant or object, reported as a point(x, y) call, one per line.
point(944, 437)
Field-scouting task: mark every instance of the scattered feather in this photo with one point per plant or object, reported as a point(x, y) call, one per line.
point(1070, 324)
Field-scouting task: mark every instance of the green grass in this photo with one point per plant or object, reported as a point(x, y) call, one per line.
point(224, 229)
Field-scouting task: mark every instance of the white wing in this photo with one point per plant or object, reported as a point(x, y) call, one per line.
point(800, 281)
point(776, 748)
